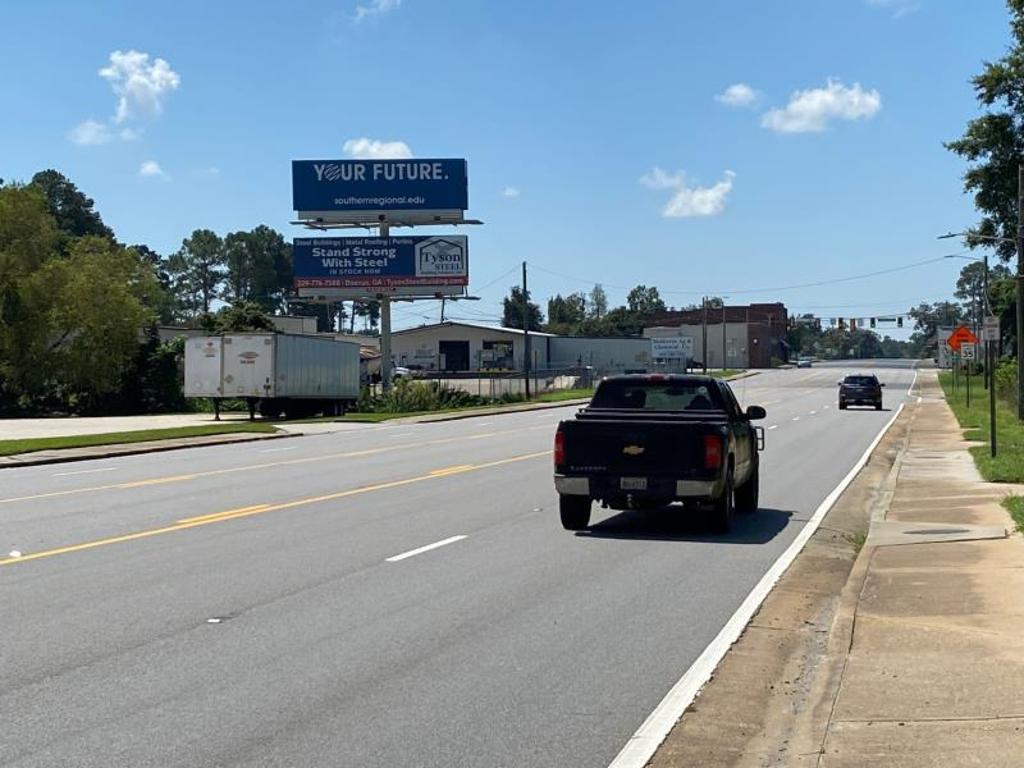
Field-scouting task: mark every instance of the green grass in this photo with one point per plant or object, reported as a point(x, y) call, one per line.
point(1008, 465)
point(1015, 505)
point(563, 394)
point(11, 447)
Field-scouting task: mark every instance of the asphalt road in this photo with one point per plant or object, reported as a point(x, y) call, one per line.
point(269, 605)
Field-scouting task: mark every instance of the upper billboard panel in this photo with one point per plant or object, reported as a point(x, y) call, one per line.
point(376, 186)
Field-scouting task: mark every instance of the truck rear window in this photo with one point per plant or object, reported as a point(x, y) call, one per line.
point(657, 396)
point(860, 381)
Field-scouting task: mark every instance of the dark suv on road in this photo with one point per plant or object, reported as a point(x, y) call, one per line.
point(860, 390)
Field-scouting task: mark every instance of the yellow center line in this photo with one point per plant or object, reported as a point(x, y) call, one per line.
point(259, 509)
point(265, 465)
point(452, 470)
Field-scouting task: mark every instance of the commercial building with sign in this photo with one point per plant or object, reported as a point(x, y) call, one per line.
point(748, 336)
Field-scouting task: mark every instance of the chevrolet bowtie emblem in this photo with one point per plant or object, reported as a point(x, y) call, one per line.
point(633, 450)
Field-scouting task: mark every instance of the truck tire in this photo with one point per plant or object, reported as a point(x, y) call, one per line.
point(878, 405)
point(747, 494)
point(575, 512)
point(842, 406)
point(723, 509)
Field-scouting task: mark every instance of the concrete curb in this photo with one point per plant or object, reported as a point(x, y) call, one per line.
point(134, 449)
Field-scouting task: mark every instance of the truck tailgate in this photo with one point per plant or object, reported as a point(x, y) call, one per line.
point(632, 447)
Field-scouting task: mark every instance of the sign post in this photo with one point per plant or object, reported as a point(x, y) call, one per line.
point(967, 352)
point(990, 333)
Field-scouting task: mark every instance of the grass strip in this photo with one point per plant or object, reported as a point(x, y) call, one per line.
point(31, 445)
point(1015, 505)
point(1008, 464)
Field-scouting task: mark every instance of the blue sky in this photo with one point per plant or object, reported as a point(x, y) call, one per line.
point(597, 147)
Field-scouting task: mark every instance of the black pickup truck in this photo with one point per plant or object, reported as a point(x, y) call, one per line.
point(646, 441)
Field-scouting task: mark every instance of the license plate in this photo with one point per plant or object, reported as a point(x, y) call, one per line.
point(633, 483)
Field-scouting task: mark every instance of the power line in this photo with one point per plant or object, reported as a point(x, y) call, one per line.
point(775, 289)
point(499, 277)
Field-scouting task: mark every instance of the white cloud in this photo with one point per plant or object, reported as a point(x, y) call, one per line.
point(738, 95)
point(510, 192)
point(130, 134)
point(141, 86)
point(152, 169)
point(89, 132)
point(689, 201)
point(899, 8)
point(372, 149)
point(375, 8)
point(811, 110)
point(658, 179)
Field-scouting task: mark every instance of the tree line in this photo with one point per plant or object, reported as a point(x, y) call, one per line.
point(79, 310)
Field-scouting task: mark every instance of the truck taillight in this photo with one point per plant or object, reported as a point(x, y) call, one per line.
point(712, 451)
point(559, 448)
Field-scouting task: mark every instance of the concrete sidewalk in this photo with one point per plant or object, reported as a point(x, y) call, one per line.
point(917, 661)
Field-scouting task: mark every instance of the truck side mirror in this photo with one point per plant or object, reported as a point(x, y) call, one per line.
point(882, 384)
point(756, 412)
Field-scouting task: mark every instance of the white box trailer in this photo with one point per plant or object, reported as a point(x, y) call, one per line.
point(278, 373)
point(204, 362)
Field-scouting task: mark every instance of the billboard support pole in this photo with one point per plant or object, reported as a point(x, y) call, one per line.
point(385, 328)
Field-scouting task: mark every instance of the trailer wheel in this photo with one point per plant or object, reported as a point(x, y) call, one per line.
point(575, 512)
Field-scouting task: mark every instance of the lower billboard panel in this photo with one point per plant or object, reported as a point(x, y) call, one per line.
point(369, 293)
point(368, 266)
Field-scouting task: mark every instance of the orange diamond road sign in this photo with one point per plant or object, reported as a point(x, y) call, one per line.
point(961, 335)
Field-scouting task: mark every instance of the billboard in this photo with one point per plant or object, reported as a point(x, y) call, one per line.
point(372, 187)
point(361, 266)
point(672, 348)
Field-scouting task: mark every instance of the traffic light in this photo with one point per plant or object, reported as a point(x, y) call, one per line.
point(899, 322)
point(842, 323)
point(872, 322)
point(853, 323)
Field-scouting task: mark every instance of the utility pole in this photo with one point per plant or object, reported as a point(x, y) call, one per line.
point(723, 337)
point(526, 336)
point(442, 309)
point(990, 365)
point(1020, 292)
point(704, 336)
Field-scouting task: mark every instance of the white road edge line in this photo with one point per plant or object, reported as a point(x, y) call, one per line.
point(648, 737)
point(427, 548)
point(83, 472)
point(774, 426)
point(796, 418)
point(277, 450)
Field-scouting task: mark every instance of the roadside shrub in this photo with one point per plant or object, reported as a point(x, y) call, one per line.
point(410, 396)
point(1006, 382)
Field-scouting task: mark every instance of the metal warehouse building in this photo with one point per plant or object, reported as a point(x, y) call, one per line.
point(461, 346)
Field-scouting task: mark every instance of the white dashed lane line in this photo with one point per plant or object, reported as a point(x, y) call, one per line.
point(427, 548)
point(83, 472)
